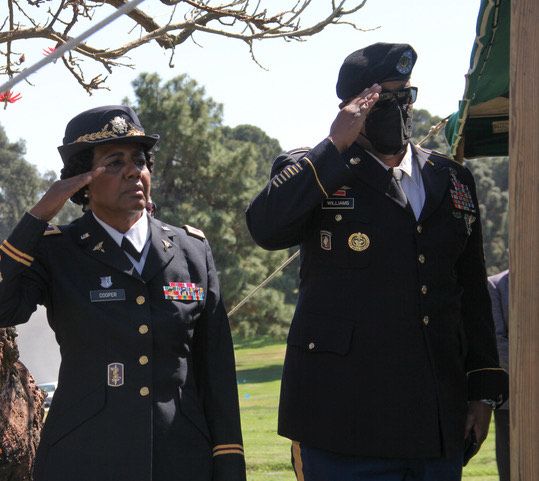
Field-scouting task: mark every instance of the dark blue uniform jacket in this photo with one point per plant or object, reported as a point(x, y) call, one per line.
point(392, 332)
point(147, 387)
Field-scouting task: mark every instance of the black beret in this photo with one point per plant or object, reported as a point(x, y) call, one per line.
point(376, 63)
point(110, 123)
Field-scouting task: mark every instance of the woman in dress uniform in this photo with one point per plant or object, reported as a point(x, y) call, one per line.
point(147, 387)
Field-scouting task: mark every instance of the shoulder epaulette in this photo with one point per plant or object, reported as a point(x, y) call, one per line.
point(194, 231)
point(52, 230)
point(300, 150)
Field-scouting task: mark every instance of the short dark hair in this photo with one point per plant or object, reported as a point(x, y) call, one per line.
point(81, 162)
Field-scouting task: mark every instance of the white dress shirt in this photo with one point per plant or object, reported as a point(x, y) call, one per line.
point(412, 182)
point(138, 235)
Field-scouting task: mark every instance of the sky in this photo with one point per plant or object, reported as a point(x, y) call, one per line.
point(293, 99)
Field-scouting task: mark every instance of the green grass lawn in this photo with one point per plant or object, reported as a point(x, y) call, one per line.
point(259, 365)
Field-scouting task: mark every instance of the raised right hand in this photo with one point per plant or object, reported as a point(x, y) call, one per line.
point(347, 126)
point(59, 192)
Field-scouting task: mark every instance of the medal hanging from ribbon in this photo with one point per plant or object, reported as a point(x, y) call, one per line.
point(183, 291)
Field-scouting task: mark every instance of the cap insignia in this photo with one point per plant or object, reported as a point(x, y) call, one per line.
point(405, 63)
point(119, 125)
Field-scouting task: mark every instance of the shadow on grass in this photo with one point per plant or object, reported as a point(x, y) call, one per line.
point(264, 374)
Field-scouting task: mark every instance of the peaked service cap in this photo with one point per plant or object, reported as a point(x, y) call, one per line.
point(102, 125)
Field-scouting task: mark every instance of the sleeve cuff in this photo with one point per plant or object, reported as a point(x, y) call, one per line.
point(488, 383)
point(228, 463)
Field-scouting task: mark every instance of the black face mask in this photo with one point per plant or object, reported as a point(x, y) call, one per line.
point(389, 128)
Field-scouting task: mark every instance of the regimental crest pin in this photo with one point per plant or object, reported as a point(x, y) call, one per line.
point(115, 374)
point(325, 240)
point(106, 282)
point(99, 247)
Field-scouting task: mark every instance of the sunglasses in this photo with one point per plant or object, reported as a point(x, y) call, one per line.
point(403, 96)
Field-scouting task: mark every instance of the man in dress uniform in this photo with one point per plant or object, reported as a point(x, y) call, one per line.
point(385, 378)
point(147, 388)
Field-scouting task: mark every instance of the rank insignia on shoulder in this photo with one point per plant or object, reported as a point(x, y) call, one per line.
point(52, 230)
point(325, 240)
point(115, 374)
point(85, 236)
point(164, 227)
point(193, 231)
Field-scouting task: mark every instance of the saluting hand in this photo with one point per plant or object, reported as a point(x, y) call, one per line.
point(59, 192)
point(350, 120)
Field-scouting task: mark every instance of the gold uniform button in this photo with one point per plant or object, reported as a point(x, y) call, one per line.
point(424, 289)
point(143, 360)
point(140, 300)
point(338, 217)
point(311, 346)
point(426, 320)
point(143, 329)
point(419, 228)
point(144, 391)
point(421, 258)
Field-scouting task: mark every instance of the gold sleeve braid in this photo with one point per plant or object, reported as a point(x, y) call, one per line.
point(221, 449)
point(16, 254)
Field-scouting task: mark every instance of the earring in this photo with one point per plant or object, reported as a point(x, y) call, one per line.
point(86, 194)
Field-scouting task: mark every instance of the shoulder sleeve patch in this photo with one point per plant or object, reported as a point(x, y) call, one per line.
point(193, 231)
point(52, 230)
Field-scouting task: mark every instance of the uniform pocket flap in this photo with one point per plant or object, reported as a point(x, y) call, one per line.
point(60, 424)
point(192, 410)
point(321, 333)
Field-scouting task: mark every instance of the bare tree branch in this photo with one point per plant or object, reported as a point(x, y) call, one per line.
point(244, 20)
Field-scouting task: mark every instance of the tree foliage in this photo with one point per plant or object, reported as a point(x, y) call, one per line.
point(491, 178)
point(205, 175)
point(57, 22)
point(20, 183)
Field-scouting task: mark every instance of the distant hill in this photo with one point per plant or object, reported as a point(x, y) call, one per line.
point(38, 348)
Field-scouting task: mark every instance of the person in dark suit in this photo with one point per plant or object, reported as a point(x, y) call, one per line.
point(498, 287)
point(385, 377)
point(147, 387)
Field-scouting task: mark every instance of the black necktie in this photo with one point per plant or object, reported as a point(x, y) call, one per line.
point(130, 249)
point(395, 190)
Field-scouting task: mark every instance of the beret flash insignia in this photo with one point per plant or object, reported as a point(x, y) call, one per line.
point(405, 63)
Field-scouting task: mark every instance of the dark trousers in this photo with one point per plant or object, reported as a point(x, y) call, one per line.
point(311, 464)
point(501, 419)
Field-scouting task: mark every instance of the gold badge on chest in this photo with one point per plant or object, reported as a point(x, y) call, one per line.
point(359, 242)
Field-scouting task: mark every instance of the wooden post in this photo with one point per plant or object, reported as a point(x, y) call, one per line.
point(524, 240)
